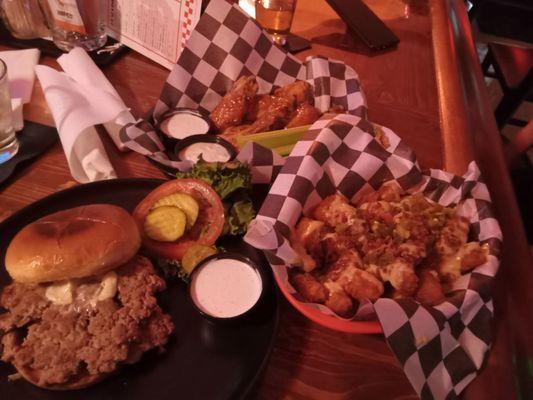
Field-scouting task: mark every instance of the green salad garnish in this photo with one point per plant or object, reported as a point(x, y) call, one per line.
point(232, 182)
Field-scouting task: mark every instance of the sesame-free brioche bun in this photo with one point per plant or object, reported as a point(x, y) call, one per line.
point(74, 243)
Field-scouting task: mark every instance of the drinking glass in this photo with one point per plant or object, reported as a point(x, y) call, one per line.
point(275, 16)
point(77, 23)
point(9, 144)
point(24, 19)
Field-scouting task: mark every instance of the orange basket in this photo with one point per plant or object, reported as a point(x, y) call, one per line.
point(328, 321)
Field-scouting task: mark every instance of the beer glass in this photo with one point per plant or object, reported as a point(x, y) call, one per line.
point(9, 144)
point(275, 16)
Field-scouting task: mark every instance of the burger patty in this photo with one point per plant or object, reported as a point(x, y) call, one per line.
point(58, 343)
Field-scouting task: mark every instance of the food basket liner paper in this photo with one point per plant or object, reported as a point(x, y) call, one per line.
point(441, 348)
point(225, 45)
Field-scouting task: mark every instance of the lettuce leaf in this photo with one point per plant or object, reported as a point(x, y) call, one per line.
point(232, 182)
point(238, 217)
point(224, 178)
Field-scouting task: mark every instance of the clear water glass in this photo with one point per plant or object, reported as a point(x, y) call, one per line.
point(9, 144)
point(77, 23)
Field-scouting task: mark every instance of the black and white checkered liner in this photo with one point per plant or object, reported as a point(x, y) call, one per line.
point(225, 45)
point(441, 348)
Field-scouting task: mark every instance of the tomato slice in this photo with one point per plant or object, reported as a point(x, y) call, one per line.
point(206, 229)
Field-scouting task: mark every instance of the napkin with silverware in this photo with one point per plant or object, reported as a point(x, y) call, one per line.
point(80, 98)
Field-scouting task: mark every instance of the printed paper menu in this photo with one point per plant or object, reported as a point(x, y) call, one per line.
point(157, 29)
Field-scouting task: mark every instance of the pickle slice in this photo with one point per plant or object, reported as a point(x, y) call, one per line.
point(165, 224)
point(194, 255)
point(183, 201)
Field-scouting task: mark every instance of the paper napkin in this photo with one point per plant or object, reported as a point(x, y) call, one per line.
point(80, 98)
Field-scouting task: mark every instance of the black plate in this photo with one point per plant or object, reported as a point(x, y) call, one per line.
point(203, 360)
point(34, 139)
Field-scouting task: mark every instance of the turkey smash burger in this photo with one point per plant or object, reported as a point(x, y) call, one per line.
point(82, 302)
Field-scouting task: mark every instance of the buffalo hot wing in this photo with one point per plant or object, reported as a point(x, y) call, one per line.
point(243, 112)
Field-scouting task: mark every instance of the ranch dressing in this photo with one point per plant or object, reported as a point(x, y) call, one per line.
point(210, 152)
point(184, 124)
point(225, 287)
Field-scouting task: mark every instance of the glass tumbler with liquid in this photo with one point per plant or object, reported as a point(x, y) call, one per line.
point(77, 23)
point(24, 19)
point(275, 16)
point(9, 144)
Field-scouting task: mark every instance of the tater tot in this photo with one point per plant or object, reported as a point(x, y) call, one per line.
point(430, 289)
point(309, 287)
point(473, 256)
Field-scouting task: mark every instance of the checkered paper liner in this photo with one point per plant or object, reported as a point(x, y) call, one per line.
point(225, 45)
point(441, 348)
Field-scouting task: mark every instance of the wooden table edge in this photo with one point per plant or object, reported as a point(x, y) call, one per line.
point(469, 132)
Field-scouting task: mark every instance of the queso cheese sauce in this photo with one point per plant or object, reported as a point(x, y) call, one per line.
point(226, 288)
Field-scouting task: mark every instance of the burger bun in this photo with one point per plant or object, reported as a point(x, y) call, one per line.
point(73, 243)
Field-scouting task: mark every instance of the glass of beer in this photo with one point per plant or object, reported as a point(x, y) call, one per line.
point(275, 16)
point(9, 144)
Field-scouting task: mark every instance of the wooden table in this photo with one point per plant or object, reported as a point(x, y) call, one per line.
point(430, 91)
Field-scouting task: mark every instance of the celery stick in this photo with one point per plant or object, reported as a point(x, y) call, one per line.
point(284, 150)
point(274, 139)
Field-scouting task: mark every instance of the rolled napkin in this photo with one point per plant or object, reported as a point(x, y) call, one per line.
point(21, 75)
point(79, 66)
point(80, 98)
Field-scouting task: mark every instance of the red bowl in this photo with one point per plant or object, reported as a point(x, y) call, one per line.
point(329, 321)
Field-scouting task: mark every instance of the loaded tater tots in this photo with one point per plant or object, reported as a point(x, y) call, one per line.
point(392, 244)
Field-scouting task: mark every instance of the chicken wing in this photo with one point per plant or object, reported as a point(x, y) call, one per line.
point(305, 114)
point(258, 106)
point(274, 116)
point(297, 93)
point(231, 110)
